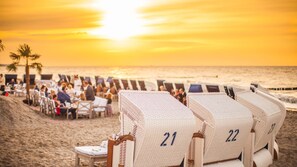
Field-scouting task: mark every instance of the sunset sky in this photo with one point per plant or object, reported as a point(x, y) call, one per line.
point(152, 32)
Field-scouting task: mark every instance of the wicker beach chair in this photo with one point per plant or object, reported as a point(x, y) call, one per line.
point(168, 86)
point(222, 128)
point(46, 76)
point(84, 108)
point(162, 127)
point(179, 85)
point(64, 77)
point(156, 130)
point(9, 77)
point(125, 84)
point(81, 79)
point(267, 118)
point(142, 85)
point(195, 88)
point(110, 81)
point(69, 78)
point(117, 83)
point(100, 81)
point(32, 79)
point(89, 80)
point(134, 84)
point(278, 103)
point(212, 88)
point(160, 83)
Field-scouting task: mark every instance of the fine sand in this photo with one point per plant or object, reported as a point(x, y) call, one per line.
point(28, 138)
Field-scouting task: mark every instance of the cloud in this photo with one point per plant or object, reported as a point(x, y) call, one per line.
point(14, 17)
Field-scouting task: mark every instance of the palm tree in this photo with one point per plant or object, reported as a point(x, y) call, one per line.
point(24, 52)
point(1, 46)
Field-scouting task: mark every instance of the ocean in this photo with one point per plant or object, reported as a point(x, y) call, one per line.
point(268, 77)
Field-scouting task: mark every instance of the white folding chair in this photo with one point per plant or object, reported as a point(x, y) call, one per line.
point(84, 108)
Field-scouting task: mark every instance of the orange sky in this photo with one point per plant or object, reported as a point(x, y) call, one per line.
point(152, 32)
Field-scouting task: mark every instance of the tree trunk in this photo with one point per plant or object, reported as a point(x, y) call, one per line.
point(28, 82)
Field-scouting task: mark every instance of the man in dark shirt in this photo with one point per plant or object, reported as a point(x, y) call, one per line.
point(89, 92)
point(64, 97)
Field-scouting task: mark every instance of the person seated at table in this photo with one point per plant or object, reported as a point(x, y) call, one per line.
point(99, 90)
point(113, 90)
point(64, 84)
point(12, 84)
point(64, 97)
point(70, 91)
point(44, 90)
point(57, 104)
point(52, 93)
point(162, 88)
point(82, 96)
point(77, 83)
point(176, 94)
point(89, 92)
point(36, 88)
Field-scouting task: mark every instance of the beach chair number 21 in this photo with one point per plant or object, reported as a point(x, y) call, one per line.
point(232, 136)
point(167, 135)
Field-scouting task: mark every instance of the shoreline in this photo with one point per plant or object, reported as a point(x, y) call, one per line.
point(32, 139)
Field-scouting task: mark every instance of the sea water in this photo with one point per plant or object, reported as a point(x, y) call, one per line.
point(268, 77)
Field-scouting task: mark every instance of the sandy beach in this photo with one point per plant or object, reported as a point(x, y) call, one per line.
point(28, 138)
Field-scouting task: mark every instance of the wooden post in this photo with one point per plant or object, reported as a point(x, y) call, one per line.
point(76, 160)
point(249, 149)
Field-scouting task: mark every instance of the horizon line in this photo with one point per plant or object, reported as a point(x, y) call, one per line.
point(3, 65)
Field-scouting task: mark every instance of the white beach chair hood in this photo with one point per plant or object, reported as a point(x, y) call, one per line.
point(163, 127)
point(267, 116)
point(225, 125)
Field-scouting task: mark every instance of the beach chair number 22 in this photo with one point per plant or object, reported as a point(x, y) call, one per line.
point(232, 136)
point(167, 135)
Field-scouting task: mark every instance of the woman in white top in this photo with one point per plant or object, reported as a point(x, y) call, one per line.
point(70, 91)
point(77, 83)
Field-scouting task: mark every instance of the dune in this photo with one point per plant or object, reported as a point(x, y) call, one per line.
point(28, 138)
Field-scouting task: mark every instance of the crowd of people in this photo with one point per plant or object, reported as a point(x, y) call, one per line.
point(11, 85)
point(179, 94)
point(68, 92)
point(75, 92)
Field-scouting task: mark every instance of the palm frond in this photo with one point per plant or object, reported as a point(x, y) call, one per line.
point(34, 56)
point(1, 45)
point(14, 56)
point(12, 67)
point(24, 50)
point(38, 67)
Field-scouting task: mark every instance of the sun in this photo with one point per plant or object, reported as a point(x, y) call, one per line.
point(121, 19)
